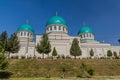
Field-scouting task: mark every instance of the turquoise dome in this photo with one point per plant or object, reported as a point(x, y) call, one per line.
point(26, 27)
point(85, 29)
point(56, 20)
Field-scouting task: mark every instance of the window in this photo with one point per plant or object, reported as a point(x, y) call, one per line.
point(27, 34)
point(59, 27)
point(50, 28)
point(21, 33)
point(54, 27)
point(24, 33)
point(63, 29)
point(81, 36)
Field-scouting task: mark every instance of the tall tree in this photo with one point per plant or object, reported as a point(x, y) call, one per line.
point(109, 53)
point(13, 44)
point(54, 53)
point(75, 49)
point(44, 46)
point(3, 60)
point(4, 40)
point(91, 53)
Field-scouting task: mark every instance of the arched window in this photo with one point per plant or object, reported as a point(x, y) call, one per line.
point(24, 33)
point(59, 27)
point(81, 36)
point(21, 33)
point(28, 34)
point(63, 28)
point(54, 27)
point(50, 28)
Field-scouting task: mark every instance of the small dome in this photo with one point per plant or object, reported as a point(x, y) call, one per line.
point(56, 20)
point(26, 27)
point(85, 29)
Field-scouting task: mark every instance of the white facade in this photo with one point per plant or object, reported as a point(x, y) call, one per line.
point(59, 38)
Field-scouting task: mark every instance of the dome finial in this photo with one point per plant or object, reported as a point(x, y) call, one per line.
point(27, 21)
point(84, 24)
point(56, 13)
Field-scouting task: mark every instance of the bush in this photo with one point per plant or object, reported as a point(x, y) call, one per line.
point(90, 71)
point(22, 57)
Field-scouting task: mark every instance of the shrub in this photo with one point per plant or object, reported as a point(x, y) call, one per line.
point(90, 71)
point(22, 57)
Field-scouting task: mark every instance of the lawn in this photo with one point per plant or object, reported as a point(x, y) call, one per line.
point(29, 68)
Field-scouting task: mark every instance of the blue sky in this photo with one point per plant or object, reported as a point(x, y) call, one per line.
point(103, 16)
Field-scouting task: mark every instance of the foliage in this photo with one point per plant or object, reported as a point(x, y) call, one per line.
point(4, 40)
point(63, 69)
point(109, 53)
point(75, 49)
point(85, 71)
point(91, 52)
point(44, 46)
point(13, 44)
point(3, 61)
point(54, 53)
point(90, 71)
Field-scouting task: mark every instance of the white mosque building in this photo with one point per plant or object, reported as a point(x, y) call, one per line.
point(57, 30)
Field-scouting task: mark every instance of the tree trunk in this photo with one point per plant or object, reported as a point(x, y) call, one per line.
point(8, 54)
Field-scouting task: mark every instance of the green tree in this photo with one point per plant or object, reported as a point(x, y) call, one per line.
point(91, 53)
point(44, 46)
point(109, 53)
point(4, 40)
point(75, 49)
point(13, 44)
point(54, 53)
point(3, 61)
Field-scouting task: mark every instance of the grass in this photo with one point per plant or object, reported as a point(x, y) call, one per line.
point(30, 68)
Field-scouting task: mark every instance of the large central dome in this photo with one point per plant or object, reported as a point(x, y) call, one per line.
point(56, 20)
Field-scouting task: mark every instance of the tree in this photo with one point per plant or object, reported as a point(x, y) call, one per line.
point(109, 53)
point(54, 53)
point(44, 46)
point(75, 49)
point(3, 61)
point(4, 40)
point(91, 52)
point(13, 44)
point(115, 54)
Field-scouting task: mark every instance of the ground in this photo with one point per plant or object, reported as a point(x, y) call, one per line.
point(27, 69)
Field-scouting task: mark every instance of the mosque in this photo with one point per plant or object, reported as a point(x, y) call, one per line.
point(57, 30)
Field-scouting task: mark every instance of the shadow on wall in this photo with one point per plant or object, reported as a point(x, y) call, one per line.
point(5, 74)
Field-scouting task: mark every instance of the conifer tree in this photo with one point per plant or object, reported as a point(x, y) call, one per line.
point(54, 53)
point(13, 44)
point(91, 52)
point(109, 53)
point(4, 40)
point(3, 61)
point(44, 46)
point(75, 49)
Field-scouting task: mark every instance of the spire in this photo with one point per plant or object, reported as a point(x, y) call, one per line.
point(56, 13)
point(27, 21)
point(84, 24)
